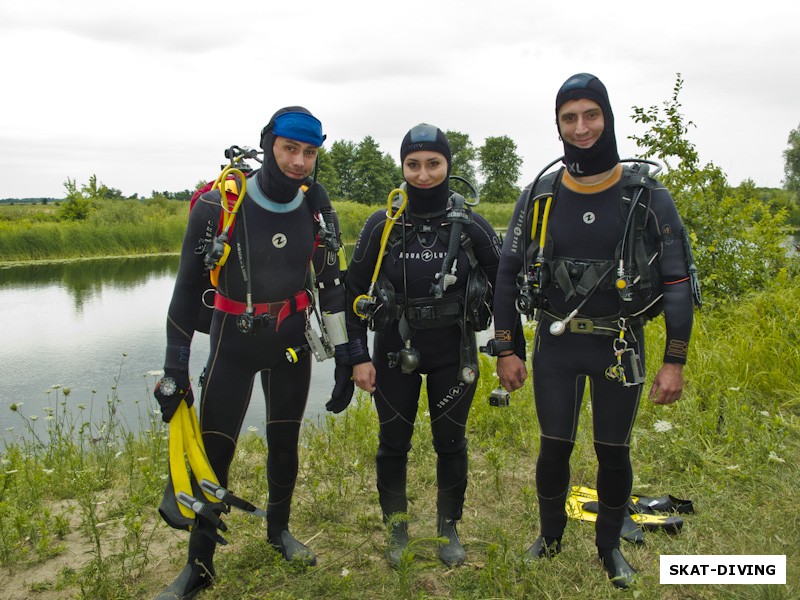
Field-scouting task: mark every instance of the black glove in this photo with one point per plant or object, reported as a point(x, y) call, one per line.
point(343, 389)
point(170, 390)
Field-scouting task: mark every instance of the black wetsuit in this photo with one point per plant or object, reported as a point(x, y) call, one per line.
point(587, 223)
point(273, 244)
point(411, 267)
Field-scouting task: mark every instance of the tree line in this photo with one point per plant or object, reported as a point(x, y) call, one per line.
point(363, 173)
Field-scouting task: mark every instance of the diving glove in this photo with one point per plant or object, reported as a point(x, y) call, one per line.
point(173, 387)
point(343, 388)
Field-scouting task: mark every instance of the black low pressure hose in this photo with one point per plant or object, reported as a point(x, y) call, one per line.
point(457, 216)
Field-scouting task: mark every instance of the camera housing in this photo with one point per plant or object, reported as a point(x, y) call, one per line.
point(499, 397)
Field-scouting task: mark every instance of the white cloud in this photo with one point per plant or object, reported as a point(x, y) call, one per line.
point(146, 94)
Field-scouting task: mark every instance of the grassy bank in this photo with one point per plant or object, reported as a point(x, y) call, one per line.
point(131, 227)
point(78, 518)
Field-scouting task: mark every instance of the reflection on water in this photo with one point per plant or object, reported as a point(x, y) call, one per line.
point(98, 328)
point(86, 279)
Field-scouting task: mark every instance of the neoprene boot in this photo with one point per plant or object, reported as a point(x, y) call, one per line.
point(543, 547)
point(194, 578)
point(452, 552)
point(291, 549)
point(398, 540)
point(620, 572)
point(198, 574)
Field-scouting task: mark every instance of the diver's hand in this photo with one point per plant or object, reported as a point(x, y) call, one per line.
point(364, 376)
point(511, 371)
point(343, 389)
point(173, 387)
point(668, 384)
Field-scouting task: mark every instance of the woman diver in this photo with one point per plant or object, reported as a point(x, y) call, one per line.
point(426, 299)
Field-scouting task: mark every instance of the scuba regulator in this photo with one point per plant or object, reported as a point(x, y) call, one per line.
point(534, 277)
point(232, 179)
point(366, 306)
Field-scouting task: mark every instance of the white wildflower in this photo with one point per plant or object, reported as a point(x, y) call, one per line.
point(734, 389)
point(118, 454)
point(764, 413)
point(48, 471)
point(662, 426)
point(345, 572)
point(252, 429)
point(55, 386)
point(775, 457)
point(732, 467)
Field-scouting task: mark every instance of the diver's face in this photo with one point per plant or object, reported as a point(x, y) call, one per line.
point(580, 122)
point(424, 169)
point(294, 159)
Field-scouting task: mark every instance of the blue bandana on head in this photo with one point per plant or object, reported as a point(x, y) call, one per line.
point(298, 126)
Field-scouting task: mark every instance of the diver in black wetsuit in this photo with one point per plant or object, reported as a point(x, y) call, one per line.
point(585, 226)
point(274, 244)
point(422, 335)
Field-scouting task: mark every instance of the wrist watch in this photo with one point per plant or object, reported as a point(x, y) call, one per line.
point(168, 386)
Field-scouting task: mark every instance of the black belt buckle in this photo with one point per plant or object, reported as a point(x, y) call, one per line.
point(581, 326)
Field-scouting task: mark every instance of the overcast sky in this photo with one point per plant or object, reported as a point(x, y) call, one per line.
point(147, 94)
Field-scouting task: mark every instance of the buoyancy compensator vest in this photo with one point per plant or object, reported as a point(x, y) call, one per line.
point(439, 309)
point(635, 272)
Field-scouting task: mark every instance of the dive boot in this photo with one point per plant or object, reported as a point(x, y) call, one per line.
point(620, 572)
point(285, 543)
point(398, 540)
point(451, 553)
point(194, 578)
point(543, 547)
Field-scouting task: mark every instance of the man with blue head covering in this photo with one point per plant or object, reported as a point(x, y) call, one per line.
point(261, 305)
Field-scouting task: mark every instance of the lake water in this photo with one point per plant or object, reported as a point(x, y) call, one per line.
point(97, 327)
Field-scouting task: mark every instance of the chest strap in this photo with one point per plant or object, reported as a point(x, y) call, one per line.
point(604, 326)
point(277, 310)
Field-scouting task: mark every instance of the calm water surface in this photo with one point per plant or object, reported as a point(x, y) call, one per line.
point(98, 328)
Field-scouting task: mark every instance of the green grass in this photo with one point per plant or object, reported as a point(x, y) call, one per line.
point(115, 228)
point(78, 503)
point(133, 227)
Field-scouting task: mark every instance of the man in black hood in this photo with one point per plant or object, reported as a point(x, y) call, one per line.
point(261, 305)
point(590, 316)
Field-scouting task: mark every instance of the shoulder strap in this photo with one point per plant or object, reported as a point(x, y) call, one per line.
point(637, 187)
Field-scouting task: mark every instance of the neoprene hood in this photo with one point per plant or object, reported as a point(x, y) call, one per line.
point(603, 155)
point(432, 201)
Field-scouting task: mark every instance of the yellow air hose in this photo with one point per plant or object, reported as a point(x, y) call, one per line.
point(229, 214)
point(391, 219)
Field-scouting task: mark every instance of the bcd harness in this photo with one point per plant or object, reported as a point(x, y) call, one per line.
point(382, 306)
point(215, 249)
point(635, 271)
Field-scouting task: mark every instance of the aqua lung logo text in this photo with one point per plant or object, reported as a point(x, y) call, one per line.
point(454, 393)
point(279, 240)
point(519, 227)
point(425, 255)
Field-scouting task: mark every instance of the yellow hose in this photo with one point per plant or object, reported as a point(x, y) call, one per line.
point(220, 183)
point(391, 219)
